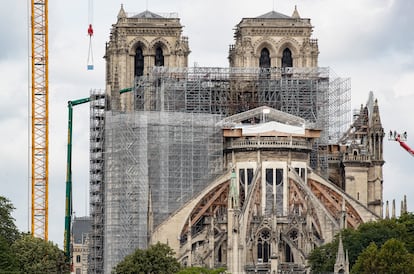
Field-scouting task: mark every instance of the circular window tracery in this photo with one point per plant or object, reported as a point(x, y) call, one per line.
point(264, 246)
point(293, 234)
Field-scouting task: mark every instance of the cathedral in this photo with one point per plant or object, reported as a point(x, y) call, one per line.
point(247, 167)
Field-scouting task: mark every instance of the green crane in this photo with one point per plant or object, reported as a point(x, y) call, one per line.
point(68, 209)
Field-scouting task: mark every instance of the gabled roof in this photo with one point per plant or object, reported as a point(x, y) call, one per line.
point(274, 15)
point(271, 114)
point(147, 14)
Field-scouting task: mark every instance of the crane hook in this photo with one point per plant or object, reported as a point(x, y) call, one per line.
point(90, 54)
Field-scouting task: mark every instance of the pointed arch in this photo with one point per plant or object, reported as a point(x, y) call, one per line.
point(287, 60)
point(264, 42)
point(138, 49)
point(290, 43)
point(162, 43)
point(139, 62)
point(291, 55)
point(159, 57)
point(264, 59)
point(264, 48)
point(138, 42)
point(288, 253)
point(160, 49)
point(263, 245)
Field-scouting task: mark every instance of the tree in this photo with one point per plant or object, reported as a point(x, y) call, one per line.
point(367, 262)
point(322, 259)
point(8, 229)
point(158, 258)
point(392, 257)
point(8, 234)
point(7, 259)
point(407, 220)
point(355, 241)
point(34, 255)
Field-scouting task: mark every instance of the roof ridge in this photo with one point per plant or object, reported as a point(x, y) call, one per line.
point(147, 14)
point(274, 15)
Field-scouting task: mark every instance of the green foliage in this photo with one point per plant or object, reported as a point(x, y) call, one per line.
point(158, 258)
point(392, 257)
point(23, 253)
point(407, 220)
point(355, 241)
point(7, 259)
point(201, 270)
point(8, 234)
point(367, 261)
point(322, 259)
point(34, 255)
point(8, 229)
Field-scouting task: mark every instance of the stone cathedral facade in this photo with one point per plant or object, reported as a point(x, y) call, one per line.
point(277, 185)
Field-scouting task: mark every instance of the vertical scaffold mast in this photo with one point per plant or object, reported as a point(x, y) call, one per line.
point(39, 119)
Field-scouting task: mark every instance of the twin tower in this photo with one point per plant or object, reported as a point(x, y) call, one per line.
point(248, 167)
point(146, 40)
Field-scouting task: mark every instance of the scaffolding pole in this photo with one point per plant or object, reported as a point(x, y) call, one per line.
point(168, 146)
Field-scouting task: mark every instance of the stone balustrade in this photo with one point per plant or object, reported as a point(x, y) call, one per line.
point(357, 158)
point(269, 142)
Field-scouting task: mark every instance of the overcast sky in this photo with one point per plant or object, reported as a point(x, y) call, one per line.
point(370, 41)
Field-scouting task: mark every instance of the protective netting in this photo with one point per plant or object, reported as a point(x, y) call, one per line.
point(168, 145)
point(164, 156)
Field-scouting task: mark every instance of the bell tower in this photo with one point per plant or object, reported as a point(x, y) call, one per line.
point(274, 40)
point(137, 44)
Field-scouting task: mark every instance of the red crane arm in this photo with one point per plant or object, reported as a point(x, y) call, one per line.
point(405, 146)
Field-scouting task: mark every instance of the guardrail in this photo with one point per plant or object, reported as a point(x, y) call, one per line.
point(358, 158)
point(269, 142)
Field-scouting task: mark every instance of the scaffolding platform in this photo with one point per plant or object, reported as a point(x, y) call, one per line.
point(150, 160)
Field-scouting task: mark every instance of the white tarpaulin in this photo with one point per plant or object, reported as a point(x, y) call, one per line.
point(270, 127)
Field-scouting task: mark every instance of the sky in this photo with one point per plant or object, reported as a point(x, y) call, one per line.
point(369, 41)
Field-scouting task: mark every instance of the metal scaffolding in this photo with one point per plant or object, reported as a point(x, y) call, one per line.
point(339, 112)
point(314, 94)
point(96, 179)
point(148, 162)
point(166, 157)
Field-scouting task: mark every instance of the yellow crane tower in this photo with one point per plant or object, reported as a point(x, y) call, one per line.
point(39, 119)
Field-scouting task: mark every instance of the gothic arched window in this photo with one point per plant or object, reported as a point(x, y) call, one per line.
point(264, 61)
point(159, 57)
point(139, 62)
point(263, 246)
point(287, 60)
point(219, 255)
point(288, 254)
point(274, 200)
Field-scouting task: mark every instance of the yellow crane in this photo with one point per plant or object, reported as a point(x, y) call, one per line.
point(39, 119)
